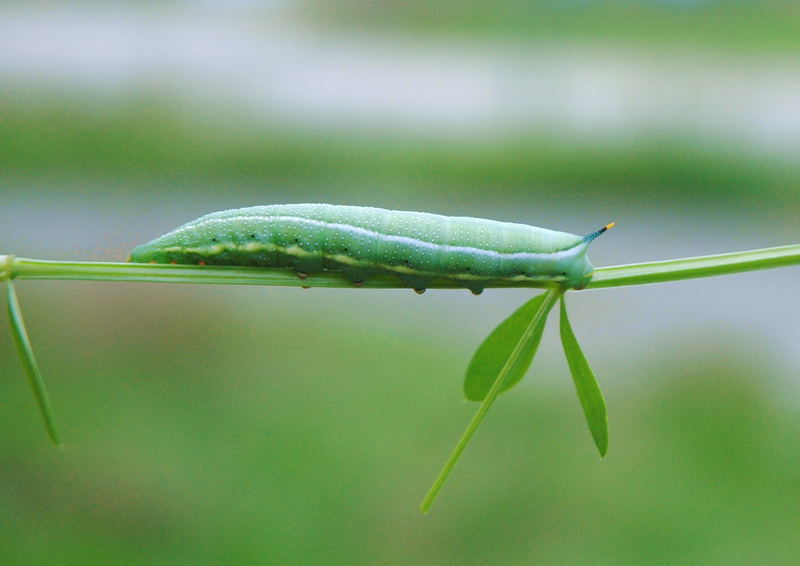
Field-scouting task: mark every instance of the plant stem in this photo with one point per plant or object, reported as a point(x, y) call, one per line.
point(23, 268)
point(613, 276)
point(693, 267)
point(550, 299)
point(29, 363)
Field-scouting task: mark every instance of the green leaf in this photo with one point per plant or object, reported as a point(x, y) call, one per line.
point(492, 354)
point(591, 398)
point(519, 348)
point(29, 363)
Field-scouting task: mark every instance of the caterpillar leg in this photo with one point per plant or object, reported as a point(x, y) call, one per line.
point(357, 275)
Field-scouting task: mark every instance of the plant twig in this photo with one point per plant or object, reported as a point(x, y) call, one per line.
point(693, 267)
point(29, 363)
point(612, 276)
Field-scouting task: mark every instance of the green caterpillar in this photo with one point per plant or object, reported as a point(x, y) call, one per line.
point(415, 247)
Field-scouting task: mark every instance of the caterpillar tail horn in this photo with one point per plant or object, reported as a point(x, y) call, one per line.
point(589, 237)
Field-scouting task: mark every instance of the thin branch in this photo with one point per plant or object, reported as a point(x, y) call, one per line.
point(613, 276)
point(23, 268)
point(693, 267)
point(28, 360)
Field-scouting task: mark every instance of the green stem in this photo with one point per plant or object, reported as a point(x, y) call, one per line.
point(29, 363)
point(613, 276)
point(550, 299)
point(693, 267)
point(23, 268)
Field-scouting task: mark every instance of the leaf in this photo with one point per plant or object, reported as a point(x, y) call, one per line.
point(589, 394)
point(492, 354)
point(520, 347)
point(29, 363)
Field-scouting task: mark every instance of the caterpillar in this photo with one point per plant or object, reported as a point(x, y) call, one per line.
point(417, 248)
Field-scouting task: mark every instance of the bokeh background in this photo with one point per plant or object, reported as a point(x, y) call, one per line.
point(232, 425)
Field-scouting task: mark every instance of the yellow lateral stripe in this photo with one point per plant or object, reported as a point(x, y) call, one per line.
point(298, 252)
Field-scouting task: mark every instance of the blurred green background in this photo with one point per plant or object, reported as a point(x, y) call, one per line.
point(227, 425)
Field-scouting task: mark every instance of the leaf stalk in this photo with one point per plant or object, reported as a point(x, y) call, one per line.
point(538, 319)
